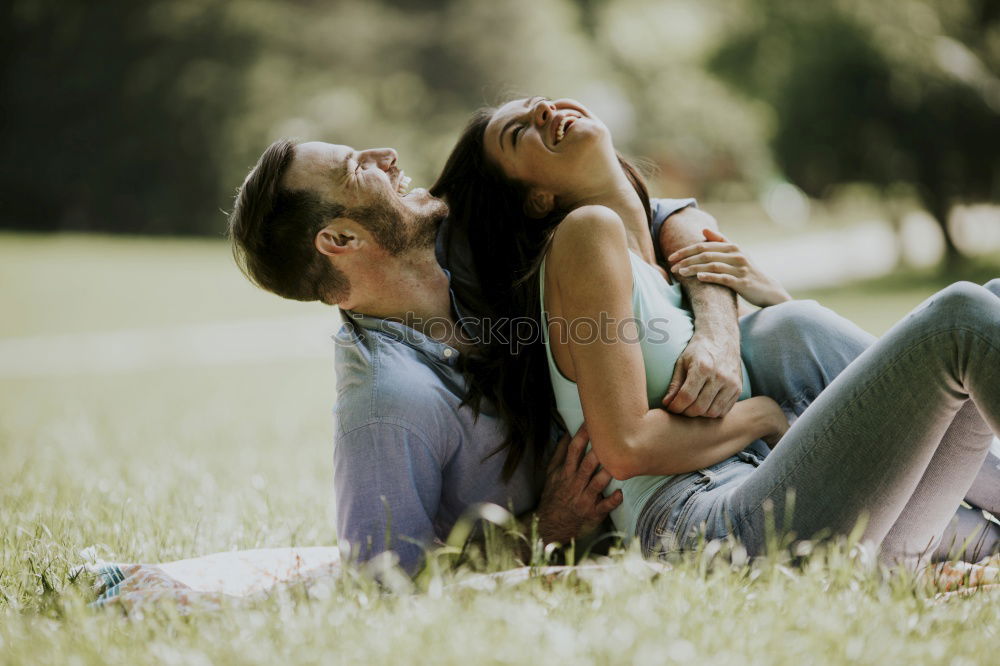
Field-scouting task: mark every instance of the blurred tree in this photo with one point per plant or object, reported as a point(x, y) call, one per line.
point(704, 138)
point(144, 116)
point(113, 113)
point(883, 93)
point(405, 73)
point(590, 15)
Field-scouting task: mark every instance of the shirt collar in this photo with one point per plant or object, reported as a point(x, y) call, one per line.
point(411, 337)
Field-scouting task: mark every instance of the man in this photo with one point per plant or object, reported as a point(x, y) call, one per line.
point(323, 222)
point(318, 221)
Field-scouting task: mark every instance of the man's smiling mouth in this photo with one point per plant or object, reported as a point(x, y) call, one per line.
point(402, 183)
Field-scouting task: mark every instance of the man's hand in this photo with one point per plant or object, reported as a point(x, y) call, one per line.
point(707, 379)
point(572, 503)
point(718, 261)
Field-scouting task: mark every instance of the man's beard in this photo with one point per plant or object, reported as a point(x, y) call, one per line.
point(425, 225)
point(397, 236)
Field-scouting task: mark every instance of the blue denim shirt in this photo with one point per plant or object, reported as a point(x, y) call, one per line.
point(407, 460)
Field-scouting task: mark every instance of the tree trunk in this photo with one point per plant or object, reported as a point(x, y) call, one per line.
point(952, 260)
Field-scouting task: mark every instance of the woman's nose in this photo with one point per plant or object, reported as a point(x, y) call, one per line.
point(542, 111)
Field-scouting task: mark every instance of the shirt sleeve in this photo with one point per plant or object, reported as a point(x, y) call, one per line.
point(387, 484)
point(662, 209)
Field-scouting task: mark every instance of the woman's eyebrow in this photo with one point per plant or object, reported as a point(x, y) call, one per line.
point(513, 121)
point(510, 123)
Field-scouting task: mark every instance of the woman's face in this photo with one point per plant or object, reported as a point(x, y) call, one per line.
point(548, 144)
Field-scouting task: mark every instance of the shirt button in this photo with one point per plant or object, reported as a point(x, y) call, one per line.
point(448, 353)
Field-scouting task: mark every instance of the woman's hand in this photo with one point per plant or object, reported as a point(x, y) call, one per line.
point(718, 261)
point(777, 423)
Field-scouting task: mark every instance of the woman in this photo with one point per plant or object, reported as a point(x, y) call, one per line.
point(556, 221)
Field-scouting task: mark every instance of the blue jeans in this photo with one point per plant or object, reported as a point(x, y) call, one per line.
point(899, 438)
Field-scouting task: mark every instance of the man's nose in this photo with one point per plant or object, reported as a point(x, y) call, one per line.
point(383, 158)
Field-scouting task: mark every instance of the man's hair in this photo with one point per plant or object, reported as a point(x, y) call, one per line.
point(273, 230)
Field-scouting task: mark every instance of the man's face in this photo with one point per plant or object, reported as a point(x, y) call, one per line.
point(369, 184)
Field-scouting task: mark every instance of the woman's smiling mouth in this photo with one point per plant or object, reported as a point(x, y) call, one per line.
point(562, 126)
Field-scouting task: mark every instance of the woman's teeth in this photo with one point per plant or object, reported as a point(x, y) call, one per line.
point(561, 130)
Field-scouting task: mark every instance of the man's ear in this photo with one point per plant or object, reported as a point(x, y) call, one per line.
point(336, 239)
point(539, 204)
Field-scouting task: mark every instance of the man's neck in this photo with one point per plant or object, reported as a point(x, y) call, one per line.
point(415, 291)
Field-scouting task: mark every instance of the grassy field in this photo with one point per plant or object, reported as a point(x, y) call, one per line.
point(170, 460)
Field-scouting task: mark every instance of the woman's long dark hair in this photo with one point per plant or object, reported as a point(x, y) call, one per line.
point(507, 248)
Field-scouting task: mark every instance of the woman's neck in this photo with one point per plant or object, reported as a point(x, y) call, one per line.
point(621, 197)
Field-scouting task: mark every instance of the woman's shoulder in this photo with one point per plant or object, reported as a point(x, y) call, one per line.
point(585, 220)
point(586, 232)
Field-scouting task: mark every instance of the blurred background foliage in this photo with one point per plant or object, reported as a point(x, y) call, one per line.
point(143, 117)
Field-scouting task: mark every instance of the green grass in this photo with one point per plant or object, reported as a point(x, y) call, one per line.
point(73, 283)
point(165, 463)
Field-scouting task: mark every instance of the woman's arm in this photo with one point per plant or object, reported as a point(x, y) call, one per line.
point(719, 261)
point(591, 276)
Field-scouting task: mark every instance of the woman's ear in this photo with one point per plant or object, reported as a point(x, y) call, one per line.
point(539, 204)
point(336, 239)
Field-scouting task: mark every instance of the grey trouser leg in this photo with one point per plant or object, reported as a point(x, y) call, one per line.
point(865, 444)
point(794, 350)
point(970, 537)
point(985, 490)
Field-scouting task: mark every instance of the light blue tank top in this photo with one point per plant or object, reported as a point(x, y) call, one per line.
point(665, 328)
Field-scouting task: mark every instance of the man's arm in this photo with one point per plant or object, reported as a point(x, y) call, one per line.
point(708, 376)
point(387, 484)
